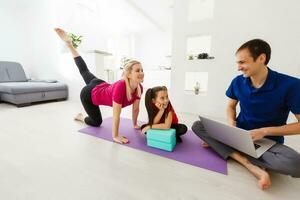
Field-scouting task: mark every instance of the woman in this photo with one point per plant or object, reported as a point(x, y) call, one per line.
point(122, 93)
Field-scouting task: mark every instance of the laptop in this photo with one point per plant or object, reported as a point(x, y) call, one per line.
point(237, 138)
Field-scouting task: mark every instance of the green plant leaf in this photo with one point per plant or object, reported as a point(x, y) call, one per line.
point(76, 40)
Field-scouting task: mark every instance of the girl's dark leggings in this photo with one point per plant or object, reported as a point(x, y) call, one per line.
point(181, 129)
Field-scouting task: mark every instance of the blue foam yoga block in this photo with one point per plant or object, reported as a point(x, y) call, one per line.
point(162, 139)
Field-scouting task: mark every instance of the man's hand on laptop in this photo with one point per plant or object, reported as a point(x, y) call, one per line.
point(257, 134)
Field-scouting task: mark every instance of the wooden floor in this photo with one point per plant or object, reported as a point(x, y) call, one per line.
point(42, 156)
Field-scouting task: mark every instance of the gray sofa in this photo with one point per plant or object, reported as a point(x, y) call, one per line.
point(15, 88)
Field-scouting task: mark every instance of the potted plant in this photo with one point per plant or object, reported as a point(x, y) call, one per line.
point(197, 88)
point(76, 40)
point(190, 57)
point(124, 61)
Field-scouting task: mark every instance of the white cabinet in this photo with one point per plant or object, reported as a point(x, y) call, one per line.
point(95, 60)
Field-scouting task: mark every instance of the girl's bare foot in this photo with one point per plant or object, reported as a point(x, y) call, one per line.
point(64, 36)
point(79, 117)
point(121, 139)
point(205, 145)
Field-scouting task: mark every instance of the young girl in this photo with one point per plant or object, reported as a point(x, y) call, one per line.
point(122, 93)
point(161, 114)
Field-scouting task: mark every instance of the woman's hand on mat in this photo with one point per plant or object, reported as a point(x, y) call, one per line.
point(257, 134)
point(121, 139)
point(136, 126)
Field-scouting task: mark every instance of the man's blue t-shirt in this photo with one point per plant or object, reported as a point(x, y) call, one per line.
point(268, 105)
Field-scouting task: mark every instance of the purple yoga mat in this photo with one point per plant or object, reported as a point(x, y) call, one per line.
point(189, 151)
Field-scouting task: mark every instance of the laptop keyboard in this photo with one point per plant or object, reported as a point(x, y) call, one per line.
point(256, 146)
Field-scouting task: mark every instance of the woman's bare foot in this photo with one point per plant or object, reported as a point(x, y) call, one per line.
point(121, 139)
point(64, 36)
point(79, 117)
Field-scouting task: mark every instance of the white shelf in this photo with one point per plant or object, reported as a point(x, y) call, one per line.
point(99, 52)
point(201, 60)
point(191, 92)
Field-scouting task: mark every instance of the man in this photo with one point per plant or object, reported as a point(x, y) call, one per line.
point(266, 97)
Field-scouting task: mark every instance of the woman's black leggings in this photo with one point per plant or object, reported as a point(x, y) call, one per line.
point(94, 117)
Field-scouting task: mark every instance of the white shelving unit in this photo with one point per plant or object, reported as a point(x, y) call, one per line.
point(189, 33)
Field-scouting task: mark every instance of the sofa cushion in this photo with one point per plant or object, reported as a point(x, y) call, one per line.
point(11, 72)
point(29, 87)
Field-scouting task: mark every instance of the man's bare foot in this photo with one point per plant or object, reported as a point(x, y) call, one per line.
point(79, 117)
point(64, 36)
point(205, 145)
point(264, 180)
point(121, 139)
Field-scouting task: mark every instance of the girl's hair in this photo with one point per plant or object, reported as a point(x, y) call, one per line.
point(126, 71)
point(151, 108)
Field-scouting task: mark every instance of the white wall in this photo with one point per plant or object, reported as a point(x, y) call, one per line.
point(27, 36)
point(46, 53)
point(152, 49)
point(14, 44)
point(234, 23)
